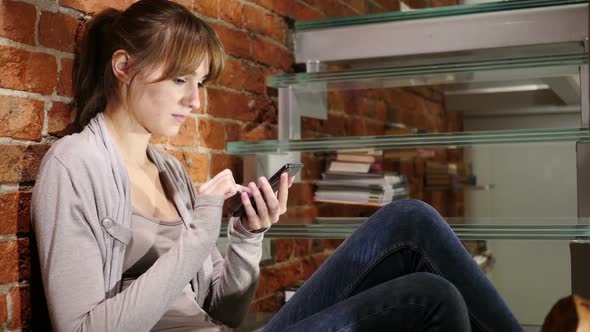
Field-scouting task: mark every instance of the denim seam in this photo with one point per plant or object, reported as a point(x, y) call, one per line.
point(379, 312)
point(386, 253)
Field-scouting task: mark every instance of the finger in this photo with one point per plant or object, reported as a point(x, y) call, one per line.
point(283, 193)
point(231, 188)
point(253, 221)
point(242, 189)
point(261, 208)
point(291, 180)
point(216, 180)
point(272, 203)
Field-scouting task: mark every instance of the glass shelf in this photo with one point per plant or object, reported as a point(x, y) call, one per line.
point(465, 9)
point(413, 141)
point(472, 71)
point(341, 228)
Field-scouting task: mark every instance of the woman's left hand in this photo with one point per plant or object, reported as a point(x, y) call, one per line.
point(269, 208)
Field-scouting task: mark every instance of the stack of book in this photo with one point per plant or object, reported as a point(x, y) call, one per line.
point(375, 189)
point(355, 177)
point(356, 161)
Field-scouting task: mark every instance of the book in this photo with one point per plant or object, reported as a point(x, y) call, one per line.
point(356, 158)
point(354, 167)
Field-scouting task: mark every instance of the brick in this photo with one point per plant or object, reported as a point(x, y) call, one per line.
point(207, 7)
point(230, 105)
point(9, 262)
point(403, 99)
point(271, 303)
point(8, 211)
point(311, 263)
point(157, 139)
point(303, 12)
point(265, 23)
point(221, 161)
point(258, 132)
point(211, 134)
point(232, 131)
point(332, 8)
point(235, 42)
point(22, 70)
point(271, 54)
point(188, 4)
point(3, 309)
point(21, 118)
point(417, 4)
point(375, 128)
point(283, 249)
point(24, 212)
point(282, 7)
point(335, 125)
point(24, 259)
point(58, 31)
point(358, 5)
point(388, 5)
point(187, 135)
point(231, 12)
point(61, 119)
point(64, 83)
point(96, 6)
point(20, 163)
point(196, 164)
point(241, 75)
point(356, 126)
point(302, 247)
point(442, 3)
point(21, 307)
point(18, 21)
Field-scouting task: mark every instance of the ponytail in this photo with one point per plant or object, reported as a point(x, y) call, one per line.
point(94, 81)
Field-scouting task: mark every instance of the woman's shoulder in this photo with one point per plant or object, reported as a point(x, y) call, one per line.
point(77, 152)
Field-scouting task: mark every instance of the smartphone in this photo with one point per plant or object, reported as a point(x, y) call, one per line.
point(291, 168)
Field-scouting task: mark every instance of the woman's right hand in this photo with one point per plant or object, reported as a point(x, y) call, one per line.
point(222, 184)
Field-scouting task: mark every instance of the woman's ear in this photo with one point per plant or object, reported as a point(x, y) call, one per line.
point(120, 65)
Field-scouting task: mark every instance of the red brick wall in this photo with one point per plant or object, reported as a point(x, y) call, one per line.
point(36, 44)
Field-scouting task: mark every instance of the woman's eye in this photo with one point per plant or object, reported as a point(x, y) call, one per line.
point(179, 81)
point(201, 84)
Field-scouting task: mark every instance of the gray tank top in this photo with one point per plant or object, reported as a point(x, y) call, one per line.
point(151, 239)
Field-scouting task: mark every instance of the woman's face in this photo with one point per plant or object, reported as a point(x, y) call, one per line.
point(162, 107)
point(583, 309)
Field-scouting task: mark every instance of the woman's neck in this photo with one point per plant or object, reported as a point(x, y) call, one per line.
point(129, 136)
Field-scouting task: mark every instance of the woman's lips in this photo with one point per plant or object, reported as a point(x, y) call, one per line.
point(179, 118)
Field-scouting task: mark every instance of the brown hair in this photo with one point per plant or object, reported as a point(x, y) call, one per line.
point(153, 32)
point(563, 316)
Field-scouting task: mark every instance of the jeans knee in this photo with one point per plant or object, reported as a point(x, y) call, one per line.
point(442, 291)
point(414, 214)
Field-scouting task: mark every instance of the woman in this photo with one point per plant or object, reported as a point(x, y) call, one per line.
point(568, 314)
point(126, 244)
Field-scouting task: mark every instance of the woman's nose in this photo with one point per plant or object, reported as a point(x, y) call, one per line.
point(193, 99)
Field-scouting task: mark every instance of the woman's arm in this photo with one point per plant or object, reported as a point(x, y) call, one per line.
point(235, 277)
point(69, 237)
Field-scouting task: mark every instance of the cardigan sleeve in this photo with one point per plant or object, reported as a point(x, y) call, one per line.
point(70, 243)
point(234, 277)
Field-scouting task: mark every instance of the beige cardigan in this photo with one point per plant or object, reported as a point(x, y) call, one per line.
point(81, 215)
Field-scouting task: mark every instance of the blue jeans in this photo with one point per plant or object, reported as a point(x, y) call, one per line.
point(402, 270)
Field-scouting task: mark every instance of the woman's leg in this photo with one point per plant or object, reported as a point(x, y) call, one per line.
point(422, 302)
point(403, 237)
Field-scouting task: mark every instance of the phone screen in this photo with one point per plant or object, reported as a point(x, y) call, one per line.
point(274, 180)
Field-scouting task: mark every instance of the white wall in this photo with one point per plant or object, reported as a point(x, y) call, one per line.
point(531, 180)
